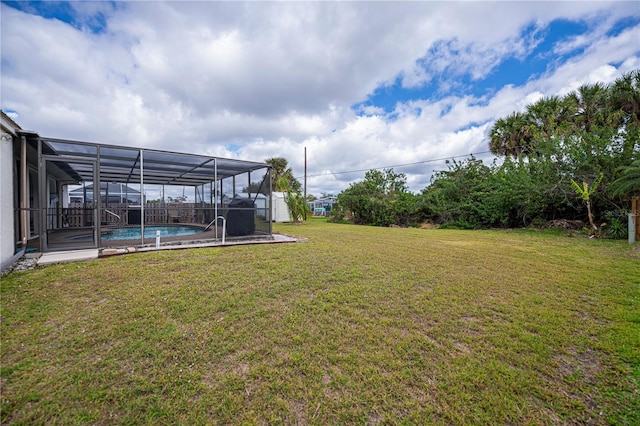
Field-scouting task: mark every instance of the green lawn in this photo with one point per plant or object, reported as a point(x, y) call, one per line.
point(358, 325)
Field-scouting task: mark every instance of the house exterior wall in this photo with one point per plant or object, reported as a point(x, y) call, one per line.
point(7, 210)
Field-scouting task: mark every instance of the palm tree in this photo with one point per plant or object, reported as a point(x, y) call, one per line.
point(625, 94)
point(591, 106)
point(628, 182)
point(545, 120)
point(297, 205)
point(592, 137)
point(282, 178)
point(510, 136)
point(544, 115)
point(278, 170)
point(625, 105)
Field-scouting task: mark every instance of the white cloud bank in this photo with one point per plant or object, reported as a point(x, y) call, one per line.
point(258, 80)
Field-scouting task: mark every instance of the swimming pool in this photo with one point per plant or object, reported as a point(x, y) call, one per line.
point(133, 233)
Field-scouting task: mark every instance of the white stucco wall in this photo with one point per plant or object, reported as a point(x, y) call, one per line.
point(7, 216)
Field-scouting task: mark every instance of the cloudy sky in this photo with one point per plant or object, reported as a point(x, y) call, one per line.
point(361, 85)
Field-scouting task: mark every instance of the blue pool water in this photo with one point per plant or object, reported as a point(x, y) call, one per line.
point(150, 232)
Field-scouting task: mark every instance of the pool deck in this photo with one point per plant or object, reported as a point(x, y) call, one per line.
point(67, 256)
point(90, 254)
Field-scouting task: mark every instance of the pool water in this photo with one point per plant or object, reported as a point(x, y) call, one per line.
point(150, 232)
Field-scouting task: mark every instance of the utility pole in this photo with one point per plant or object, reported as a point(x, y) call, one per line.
point(305, 182)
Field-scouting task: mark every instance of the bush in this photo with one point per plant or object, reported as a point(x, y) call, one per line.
point(616, 227)
point(382, 199)
point(337, 215)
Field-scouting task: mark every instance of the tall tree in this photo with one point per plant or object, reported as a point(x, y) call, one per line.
point(282, 178)
point(626, 94)
point(591, 106)
point(593, 147)
point(381, 199)
point(546, 122)
point(625, 103)
point(592, 131)
point(510, 136)
point(628, 182)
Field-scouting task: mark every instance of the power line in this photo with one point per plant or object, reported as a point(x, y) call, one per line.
point(399, 165)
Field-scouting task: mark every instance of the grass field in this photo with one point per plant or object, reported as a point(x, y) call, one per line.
point(358, 325)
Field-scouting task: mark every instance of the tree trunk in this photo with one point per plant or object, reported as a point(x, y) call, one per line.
point(593, 225)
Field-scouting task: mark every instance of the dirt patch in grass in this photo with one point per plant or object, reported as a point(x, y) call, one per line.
point(427, 225)
point(583, 365)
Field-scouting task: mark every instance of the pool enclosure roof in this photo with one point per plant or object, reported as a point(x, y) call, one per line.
point(141, 165)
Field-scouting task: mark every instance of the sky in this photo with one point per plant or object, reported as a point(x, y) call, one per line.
point(360, 85)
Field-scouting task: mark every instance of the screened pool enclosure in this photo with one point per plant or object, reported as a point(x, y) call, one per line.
point(76, 195)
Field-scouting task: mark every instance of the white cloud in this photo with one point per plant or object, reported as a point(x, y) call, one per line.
point(259, 80)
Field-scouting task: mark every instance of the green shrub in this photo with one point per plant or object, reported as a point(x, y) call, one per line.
point(616, 226)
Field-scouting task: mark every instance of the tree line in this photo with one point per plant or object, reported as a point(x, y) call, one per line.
point(549, 157)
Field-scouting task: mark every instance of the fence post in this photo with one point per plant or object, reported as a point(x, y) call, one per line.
point(635, 208)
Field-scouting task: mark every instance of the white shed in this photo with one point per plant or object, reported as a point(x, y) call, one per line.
point(279, 210)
